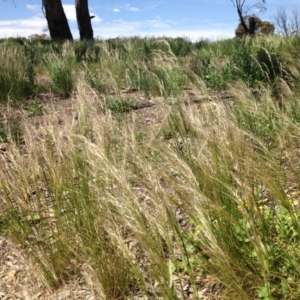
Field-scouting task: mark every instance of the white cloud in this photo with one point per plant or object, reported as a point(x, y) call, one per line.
point(96, 19)
point(131, 8)
point(156, 23)
point(127, 7)
point(152, 6)
point(34, 8)
point(34, 22)
point(22, 27)
point(159, 28)
point(70, 12)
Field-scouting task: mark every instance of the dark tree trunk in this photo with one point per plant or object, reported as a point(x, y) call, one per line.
point(242, 20)
point(252, 25)
point(57, 22)
point(84, 20)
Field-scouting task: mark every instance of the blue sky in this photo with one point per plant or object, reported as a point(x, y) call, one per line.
point(195, 19)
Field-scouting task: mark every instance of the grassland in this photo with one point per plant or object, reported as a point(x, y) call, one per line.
point(154, 168)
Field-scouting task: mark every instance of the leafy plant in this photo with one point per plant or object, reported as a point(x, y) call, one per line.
point(36, 109)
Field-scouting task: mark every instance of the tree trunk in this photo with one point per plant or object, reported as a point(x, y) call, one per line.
point(57, 22)
point(84, 20)
point(252, 25)
point(242, 20)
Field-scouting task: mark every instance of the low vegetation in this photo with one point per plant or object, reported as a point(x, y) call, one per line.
point(210, 191)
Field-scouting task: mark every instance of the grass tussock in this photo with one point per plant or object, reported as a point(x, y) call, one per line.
point(212, 191)
point(15, 74)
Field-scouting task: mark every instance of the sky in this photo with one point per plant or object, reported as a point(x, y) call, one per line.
point(193, 19)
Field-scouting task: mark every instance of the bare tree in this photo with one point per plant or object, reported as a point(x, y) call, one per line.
point(243, 10)
point(287, 24)
point(84, 20)
point(57, 21)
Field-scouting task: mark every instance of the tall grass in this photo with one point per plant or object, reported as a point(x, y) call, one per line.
point(15, 79)
point(212, 191)
point(80, 198)
point(60, 69)
point(255, 61)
